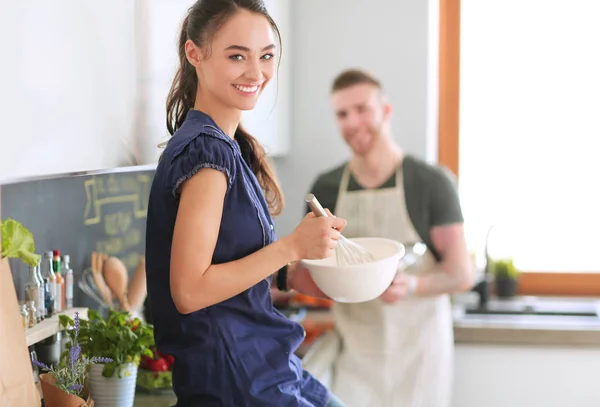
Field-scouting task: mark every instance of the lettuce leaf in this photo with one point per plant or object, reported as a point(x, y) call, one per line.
point(17, 242)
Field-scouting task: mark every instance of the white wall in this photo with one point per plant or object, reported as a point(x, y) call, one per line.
point(83, 84)
point(68, 80)
point(526, 376)
point(397, 42)
point(158, 27)
point(47, 129)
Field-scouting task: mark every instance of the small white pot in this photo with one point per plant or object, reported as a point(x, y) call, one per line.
point(112, 392)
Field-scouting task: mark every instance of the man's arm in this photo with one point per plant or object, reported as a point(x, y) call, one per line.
point(454, 272)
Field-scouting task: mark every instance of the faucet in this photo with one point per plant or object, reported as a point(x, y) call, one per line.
point(483, 286)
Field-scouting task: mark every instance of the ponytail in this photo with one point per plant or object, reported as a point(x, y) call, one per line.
point(255, 155)
point(182, 94)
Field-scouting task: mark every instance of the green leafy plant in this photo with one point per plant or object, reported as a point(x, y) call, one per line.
point(71, 371)
point(120, 337)
point(505, 269)
point(17, 242)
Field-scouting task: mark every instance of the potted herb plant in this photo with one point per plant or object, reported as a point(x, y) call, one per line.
point(506, 278)
point(124, 340)
point(64, 385)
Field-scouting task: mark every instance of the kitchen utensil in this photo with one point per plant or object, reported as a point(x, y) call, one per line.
point(347, 252)
point(136, 294)
point(358, 282)
point(115, 274)
point(87, 284)
point(98, 260)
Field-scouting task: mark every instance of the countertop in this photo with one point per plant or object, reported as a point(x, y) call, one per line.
point(160, 399)
point(540, 330)
point(530, 329)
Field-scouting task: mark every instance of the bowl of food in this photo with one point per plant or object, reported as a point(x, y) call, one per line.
point(358, 282)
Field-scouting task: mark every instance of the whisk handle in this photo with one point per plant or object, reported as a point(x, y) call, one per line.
point(315, 206)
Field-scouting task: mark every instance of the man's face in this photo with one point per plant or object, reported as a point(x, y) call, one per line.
point(361, 114)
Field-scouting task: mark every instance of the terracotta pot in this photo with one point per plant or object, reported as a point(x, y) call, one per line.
point(55, 397)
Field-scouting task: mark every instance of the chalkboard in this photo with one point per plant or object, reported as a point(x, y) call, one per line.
point(79, 214)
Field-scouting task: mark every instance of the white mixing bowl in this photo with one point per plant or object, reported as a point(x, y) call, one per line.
point(358, 282)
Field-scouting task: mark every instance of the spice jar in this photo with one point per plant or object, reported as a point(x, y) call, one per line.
point(32, 313)
point(24, 316)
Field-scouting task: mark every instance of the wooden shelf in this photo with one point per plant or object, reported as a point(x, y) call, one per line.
point(50, 326)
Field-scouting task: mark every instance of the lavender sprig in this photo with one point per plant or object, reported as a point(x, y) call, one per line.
point(70, 375)
point(74, 354)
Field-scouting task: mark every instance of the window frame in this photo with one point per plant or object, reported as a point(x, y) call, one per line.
point(530, 283)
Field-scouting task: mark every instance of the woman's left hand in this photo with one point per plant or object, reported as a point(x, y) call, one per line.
point(299, 279)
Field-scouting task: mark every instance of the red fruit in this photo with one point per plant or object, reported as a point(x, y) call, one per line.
point(144, 360)
point(170, 361)
point(158, 365)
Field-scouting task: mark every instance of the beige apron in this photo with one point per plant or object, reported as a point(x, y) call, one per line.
point(398, 355)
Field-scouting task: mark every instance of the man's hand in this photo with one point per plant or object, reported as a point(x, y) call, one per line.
point(299, 279)
point(399, 289)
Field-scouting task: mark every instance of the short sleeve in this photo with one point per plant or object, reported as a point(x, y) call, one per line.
point(445, 202)
point(202, 151)
point(325, 188)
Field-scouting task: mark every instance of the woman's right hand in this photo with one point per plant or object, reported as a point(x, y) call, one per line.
point(316, 237)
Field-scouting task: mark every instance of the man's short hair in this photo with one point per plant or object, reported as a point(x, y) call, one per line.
point(352, 77)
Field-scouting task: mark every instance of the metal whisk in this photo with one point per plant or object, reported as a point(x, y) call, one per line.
point(347, 252)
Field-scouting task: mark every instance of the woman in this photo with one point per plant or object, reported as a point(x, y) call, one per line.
point(211, 247)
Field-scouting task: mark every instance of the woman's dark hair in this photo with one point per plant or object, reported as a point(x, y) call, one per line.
point(201, 23)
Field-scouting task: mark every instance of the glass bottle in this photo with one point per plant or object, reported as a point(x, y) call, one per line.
point(32, 286)
point(68, 273)
point(40, 304)
point(48, 273)
point(24, 316)
point(59, 301)
point(33, 313)
point(49, 299)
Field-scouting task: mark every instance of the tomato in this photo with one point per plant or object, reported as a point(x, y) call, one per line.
point(158, 365)
point(144, 361)
point(170, 361)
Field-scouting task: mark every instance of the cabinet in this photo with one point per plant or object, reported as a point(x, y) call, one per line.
point(525, 375)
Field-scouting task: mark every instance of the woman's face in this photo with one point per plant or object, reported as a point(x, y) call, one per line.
point(240, 61)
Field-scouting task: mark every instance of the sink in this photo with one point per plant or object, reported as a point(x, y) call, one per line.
point(533, 311)
point(537, 306)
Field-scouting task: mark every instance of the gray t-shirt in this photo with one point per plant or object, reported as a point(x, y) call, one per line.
point(430, 192)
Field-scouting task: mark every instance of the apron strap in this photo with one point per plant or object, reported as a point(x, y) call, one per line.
point(400, 175)
point(343, 186)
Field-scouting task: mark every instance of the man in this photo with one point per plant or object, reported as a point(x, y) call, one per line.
point(397, 350)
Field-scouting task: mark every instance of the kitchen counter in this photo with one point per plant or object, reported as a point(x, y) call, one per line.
point(159, 399)
point(526, 329)
point(558, 321)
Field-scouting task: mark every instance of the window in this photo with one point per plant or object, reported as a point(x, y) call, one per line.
point(522, 136)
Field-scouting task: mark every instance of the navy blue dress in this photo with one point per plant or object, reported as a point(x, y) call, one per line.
point(239, 352)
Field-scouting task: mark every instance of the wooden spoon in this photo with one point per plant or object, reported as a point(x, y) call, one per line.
point(137, 287)
point(115, 274)
point(97, 261)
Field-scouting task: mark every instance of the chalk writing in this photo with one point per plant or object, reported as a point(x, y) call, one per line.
point(102, 191)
